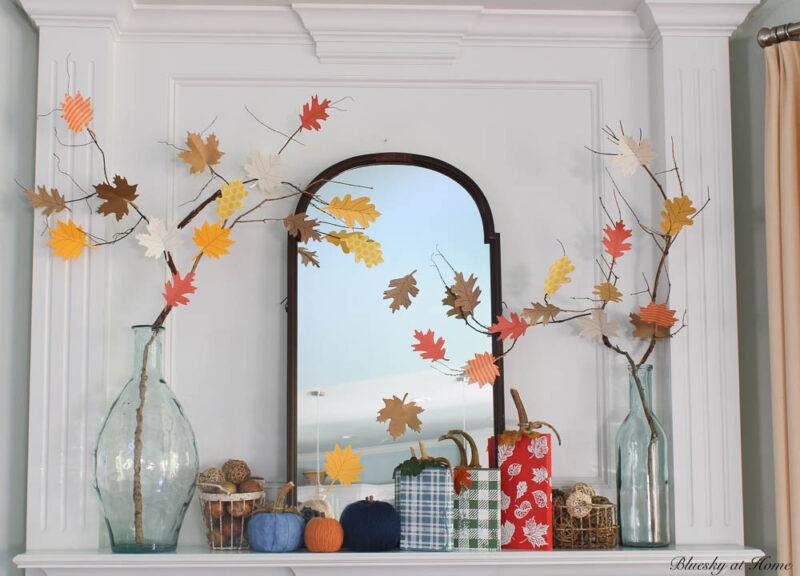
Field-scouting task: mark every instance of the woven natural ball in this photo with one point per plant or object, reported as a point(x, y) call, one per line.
point(579, 505)
point(582, 487)
point(324, 535)
point(597, 499)
point(210, 476)
point(236, 471)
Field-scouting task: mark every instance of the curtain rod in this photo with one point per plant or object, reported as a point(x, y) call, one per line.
point(769, 36)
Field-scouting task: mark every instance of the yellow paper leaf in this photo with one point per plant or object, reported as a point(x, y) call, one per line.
point(558, 275)
point(68, 240)
point(337, 238)
point(213, 240)
point(352, 211)
point(676, 215)
point(230, 199)
point(364, 248)
point(342, 465)
point(608, 292)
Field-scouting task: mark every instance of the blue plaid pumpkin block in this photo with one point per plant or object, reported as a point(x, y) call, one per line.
point(476, 512)
point(425, 505)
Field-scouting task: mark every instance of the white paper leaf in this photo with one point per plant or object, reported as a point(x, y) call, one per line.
point(535, 533)
point(632, 155)
point(267, 170)
point(159, 238)
point(597, 324)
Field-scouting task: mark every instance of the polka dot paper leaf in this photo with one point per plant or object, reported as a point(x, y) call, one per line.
point(543, 313)
point(52, 201)
point(509, 328)
point(608, 292)
point(431, 349)
point(342, 466)
point(677, 214)
point(159, 238)
point(658, 314)
point(78, 112)
point(230, 199)
point(401, 291)
point(400, 415)
point(116, 197)
point(68, 240)
point(302, 227)
point(213, 240)
point(364, 248)
point(466, 293)
point(308, 257)
point(353, 210)
point(559, 275)
point(313, 113)
point(200, 154)
point(482, 369)
point(631, 155)
point(614, 239)
point(598, 325)
point(177, 290)
point(645, 331)
point(266, 170)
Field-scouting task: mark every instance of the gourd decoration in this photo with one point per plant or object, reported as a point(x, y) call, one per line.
point(370, 526)
point(317, 507)
point(278, 530)
point(324, 535)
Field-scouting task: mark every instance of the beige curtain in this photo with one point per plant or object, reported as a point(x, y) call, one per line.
point(782, 188)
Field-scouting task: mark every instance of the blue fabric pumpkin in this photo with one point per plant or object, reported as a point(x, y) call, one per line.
point(276, 531)
point(370, 526)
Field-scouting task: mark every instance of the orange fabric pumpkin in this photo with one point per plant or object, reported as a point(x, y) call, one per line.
point(324, 535)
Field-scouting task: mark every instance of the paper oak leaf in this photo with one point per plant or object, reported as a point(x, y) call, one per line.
point(401, 291)
point(676, 215)
point(342, 466)
point(116, 197)
point(645, 330)
point(78, 111)
point(631, 154)
point(337, 238)
point(462, 478)
point(363, 248)
point(52, 202)
point(200, 154)
point(213, 240)
point(597, 324)
point(399, 415)
point(314, 112)
point(352, 210)
point(513, 327)
point(658, 314)
point(614, 240)
point(230, 199)
point(177, 290)
point(540, 312)
point(267, 171)
point(608, 292)
point(482, 369)
point(308, 257)
point(302, 227)
point(431, 349)
point(466, 293)
point(159, 238)
point(558, 275)
point(449, 302)
point(68, 240)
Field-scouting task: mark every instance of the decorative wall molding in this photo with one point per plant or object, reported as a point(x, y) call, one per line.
point(706, 18)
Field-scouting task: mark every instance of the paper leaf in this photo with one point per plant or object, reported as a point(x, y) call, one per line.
point(632, 155)
point(78, 111)
point(177, 290)
point(676, 215)
point(68, 240)
point(201, 154)
point(558, 275)
point(462, 478)
point(116, 197)
point(337, 238)
point(266, 170)
point(230, 199)
point(658, 314)
point(364, 248)
point(313, 113)
point(482, 369)
point(352, 210)
point(342, 465)
point(213, 240)
point(514, 328)
point(308, 257)
point(597, 324)
point(399, 415)
point(159, 239)
point(400, 291)
point(608, 292)
point(431, 349)
point(614, 240)
point(449, 302)
point(301, 227)
point(540, 312)
point(645, 330)
point(52, 202)
point(466, 293)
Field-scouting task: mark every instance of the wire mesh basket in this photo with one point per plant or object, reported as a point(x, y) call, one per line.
point(225, 515)
point(597, 530)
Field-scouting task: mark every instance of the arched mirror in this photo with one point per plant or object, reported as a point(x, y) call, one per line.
point(348, 350)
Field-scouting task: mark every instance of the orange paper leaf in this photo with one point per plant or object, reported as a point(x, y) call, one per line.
point(213, 240)
point(514, 328)
point(177, 290)
point(462, 477)
point(614, 240)
point(342, 465)
point(68, 240)
point(313, 113)
point(78, 111)
point(399, 414)
point(431, 350)
point(482, 369)
point(658, 314)
point(201, 154)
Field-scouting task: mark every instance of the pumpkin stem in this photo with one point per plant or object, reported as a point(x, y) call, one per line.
point(413, 454)
point(278, 506)
point(422, 451)
point(474, 461)
point(462, 452)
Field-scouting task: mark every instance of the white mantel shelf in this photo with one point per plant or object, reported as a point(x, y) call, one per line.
point(199, 562)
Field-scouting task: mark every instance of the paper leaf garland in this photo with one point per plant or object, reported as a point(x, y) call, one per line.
point(337, 238)
point(658, 314)
point(343, 466)
point(513, 328)
point(352, 210)
point(399, 415)
point(482, 369)
point(78, 111)
point(598, 325)
point(301, 227)
point(308, 257)
point(400, 291)
point(230, 199)
point(462, 478)
point(159, 239)
point(213, 240)
point(676, 215)
point(116, 197)
point(363, 248)
point(431, 349)
point(614, 240)
point(177, 290)
point(543, 312)
point(646, 330)
point(266, 170)
point(52, 202)
point(68, 240)
point(608, 292)
point(201, 154)
point(558, 275)
point(313, 113)
point(449, 302)
point(632, 155)
point(466, 293)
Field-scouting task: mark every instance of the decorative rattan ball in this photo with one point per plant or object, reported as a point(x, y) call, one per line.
point(210, 476)
point(579, 505)
point(236, 471)
point(582, 487)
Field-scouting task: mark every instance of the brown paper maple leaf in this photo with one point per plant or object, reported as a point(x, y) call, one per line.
point(645, 330)
point(201, 154)
point(466, 292)
point(52, 202)
point(399, 414)
point(400, 291)
point(450, 302)
point(300, 226)
point(116, 197)
point(542, 312)
point(308, 257)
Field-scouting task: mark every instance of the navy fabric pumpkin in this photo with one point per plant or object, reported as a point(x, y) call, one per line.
point(271, 532)
point(370, 526)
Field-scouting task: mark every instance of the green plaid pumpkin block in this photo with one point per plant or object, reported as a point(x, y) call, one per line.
point(476, 512)
point(425, 505)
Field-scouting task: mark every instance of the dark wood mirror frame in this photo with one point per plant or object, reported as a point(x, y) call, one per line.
point(491, 238)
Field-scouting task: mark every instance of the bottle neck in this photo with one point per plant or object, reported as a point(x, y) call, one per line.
point(645, 375)
point(147, 349)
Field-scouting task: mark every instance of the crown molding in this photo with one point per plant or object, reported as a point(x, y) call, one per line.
point(664, 18)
